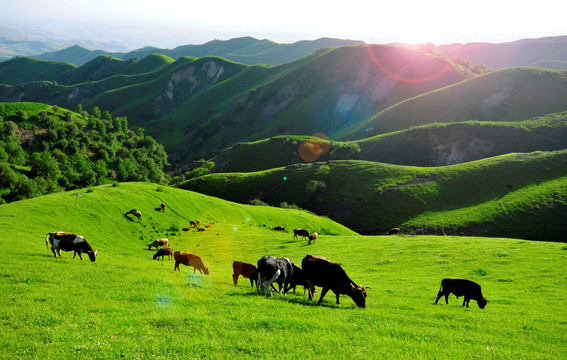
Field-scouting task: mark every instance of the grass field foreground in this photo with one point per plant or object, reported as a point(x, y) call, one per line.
point(126, 305)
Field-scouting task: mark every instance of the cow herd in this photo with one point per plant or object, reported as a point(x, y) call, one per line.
point(269, 270)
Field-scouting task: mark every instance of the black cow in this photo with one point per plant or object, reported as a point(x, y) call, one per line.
point(300, 232)
point(297, 278)
point(273, 269)
point(319, 271)
point(461, 287)
point(163, 252)
point(69, 242)
point(279, 228)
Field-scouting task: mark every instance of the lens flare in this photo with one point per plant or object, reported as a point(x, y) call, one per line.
point(399, 74)
point(317, 145)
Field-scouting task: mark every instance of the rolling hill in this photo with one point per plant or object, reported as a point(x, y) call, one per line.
point(189, 104)
point(513, 94)
point(245, 50)
point(546, 52)
point(514, 195)
point(435, 144)
point(126, 305)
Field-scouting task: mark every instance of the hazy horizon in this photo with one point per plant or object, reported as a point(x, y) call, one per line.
point(171, 23)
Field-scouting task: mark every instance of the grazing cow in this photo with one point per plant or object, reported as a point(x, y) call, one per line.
point(134, 212)
point(194, 223)
point(300, 232)
point(319, 271)
point(163, 206)
point(278, 228)
point(460, 287)
point(69, 242)
point(297, 278)
point(188, 259)
point(163, 252)
point(273, 269)
point(157, 243)
point(201, 229)
point(394, 231)
point(248, 271)
point(312, 238)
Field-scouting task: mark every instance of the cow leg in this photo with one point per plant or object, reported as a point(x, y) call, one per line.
point(235, 278)
point(251, 281)
point(338, 303)
point(439, 296)
point(467, 299)
point(323, 293)
point(266, 284)
point(53, 251)
point(78, 253)
point(59, 252)
point(176, 266)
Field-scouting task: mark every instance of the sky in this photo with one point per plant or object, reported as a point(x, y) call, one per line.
point(170, 23)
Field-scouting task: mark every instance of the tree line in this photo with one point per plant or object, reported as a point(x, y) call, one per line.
point(45, 149)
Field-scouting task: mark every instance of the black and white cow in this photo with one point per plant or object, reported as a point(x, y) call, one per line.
point(274, 269)
point(69, 242)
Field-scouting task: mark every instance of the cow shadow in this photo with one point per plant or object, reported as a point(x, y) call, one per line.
point(292, 299)
point(158, 209)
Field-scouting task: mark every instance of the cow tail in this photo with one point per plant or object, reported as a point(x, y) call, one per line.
point(46, 240)
point(441, 288)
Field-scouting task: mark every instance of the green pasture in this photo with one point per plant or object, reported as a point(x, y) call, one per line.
point(126, 305)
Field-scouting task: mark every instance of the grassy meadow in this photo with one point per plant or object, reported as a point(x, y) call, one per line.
point(126, 305)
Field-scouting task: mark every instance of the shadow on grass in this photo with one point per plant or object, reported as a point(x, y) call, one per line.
point(294, 300)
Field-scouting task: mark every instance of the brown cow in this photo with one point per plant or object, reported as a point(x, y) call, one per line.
point(460, 287)
point(157, 243)
point(134, 212)
point(300, 232)
point(163, 206)
point(195, 223)
point(246, 270)
point(188, 259)
point(163, 252)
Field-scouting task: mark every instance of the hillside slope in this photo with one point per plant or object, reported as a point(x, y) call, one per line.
point(370, 198)
point(436, 144)
point(513, 94)
point(546, 52)
point(191, 104)
point(126, 305)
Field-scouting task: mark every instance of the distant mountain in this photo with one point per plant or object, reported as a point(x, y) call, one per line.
point(547, 52)
point(191, 104)
point(245, 50)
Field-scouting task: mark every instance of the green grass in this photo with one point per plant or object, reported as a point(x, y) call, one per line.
point(372, 197)
point(126, 305)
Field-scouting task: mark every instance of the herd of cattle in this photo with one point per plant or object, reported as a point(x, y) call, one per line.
point(269, 270)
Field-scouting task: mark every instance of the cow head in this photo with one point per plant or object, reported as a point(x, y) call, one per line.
point(358, 295)
point(482, 303)
point(206, 269)
point(92, 255)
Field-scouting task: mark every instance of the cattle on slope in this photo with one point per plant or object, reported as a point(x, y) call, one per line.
point(135, 213)
point(69, 242)
point(248, 271)
point(163, 207)
point(394, 231)
point(278, 228)
point(188, 259)
point(312, 238)
point(461, 287)
point(157, 243)
point(300, 232)
point(166, 251)
point(319, 271)
point(273, 269)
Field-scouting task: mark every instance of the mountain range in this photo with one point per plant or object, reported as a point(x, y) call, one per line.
point(344, 110)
